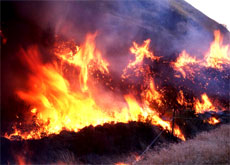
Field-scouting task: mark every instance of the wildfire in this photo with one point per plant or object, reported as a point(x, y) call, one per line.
point(56, 106)
point(151, 94)
point(217, 57)
point(184, 62)
point(141, 52)
point(205, 105)
point(218, 54)
point(86, 57)
point(213, 121)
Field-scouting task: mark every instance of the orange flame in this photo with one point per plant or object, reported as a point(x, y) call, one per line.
point(217, 57)
point(137, 158)
point(121, 163)
point(181, 99)
point(84, 57)
point(218, 54)
point(205, 105)
point(56, 106)
point(141, 52)
point(183, 63)
point(151, 94)
point(213, 121)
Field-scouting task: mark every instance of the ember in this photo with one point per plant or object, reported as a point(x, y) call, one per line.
point(213, 121)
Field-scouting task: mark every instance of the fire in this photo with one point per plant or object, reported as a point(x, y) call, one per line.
point(135, 111)
point(181, 99)
point(217, 57)
point(15, 133)
point(34, 110)
point(151, 94)
point(121, 163)
point(86, 57)
point(141, 52)
point(3, 38)
point(218, 54)
point(213, 121)
point(56, 106)
point(183, 63)
point(137, 158)
point(205, 105)
point(20, 160)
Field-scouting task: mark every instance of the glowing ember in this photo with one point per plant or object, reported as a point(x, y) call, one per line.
point(137, 158)
point(20, 160)
point(213, 121)
point(205, 105)
point(180, 98)
point(4, 39)
point(121, 163)
point(34, 110)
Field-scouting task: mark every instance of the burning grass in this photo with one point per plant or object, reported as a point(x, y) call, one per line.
point(107, 144)
point(89, 145)
point(62, 100)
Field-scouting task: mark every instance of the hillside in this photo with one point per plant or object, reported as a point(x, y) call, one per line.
point(91, 81)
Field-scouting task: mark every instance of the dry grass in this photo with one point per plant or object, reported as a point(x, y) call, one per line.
point(206, 148)
point(211, 147)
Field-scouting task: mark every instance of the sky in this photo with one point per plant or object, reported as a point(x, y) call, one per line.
point(218, 10)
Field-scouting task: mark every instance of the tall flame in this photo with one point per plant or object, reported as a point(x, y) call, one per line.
point(56, 106)
point(218, 54)
point(84, 57)
point(151, 94)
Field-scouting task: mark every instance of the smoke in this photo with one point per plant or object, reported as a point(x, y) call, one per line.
point(172, 26)
point(168, 24)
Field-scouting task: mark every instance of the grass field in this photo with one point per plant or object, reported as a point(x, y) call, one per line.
point(211, 147)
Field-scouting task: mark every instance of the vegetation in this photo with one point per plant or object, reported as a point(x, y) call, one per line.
point(211, 147)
